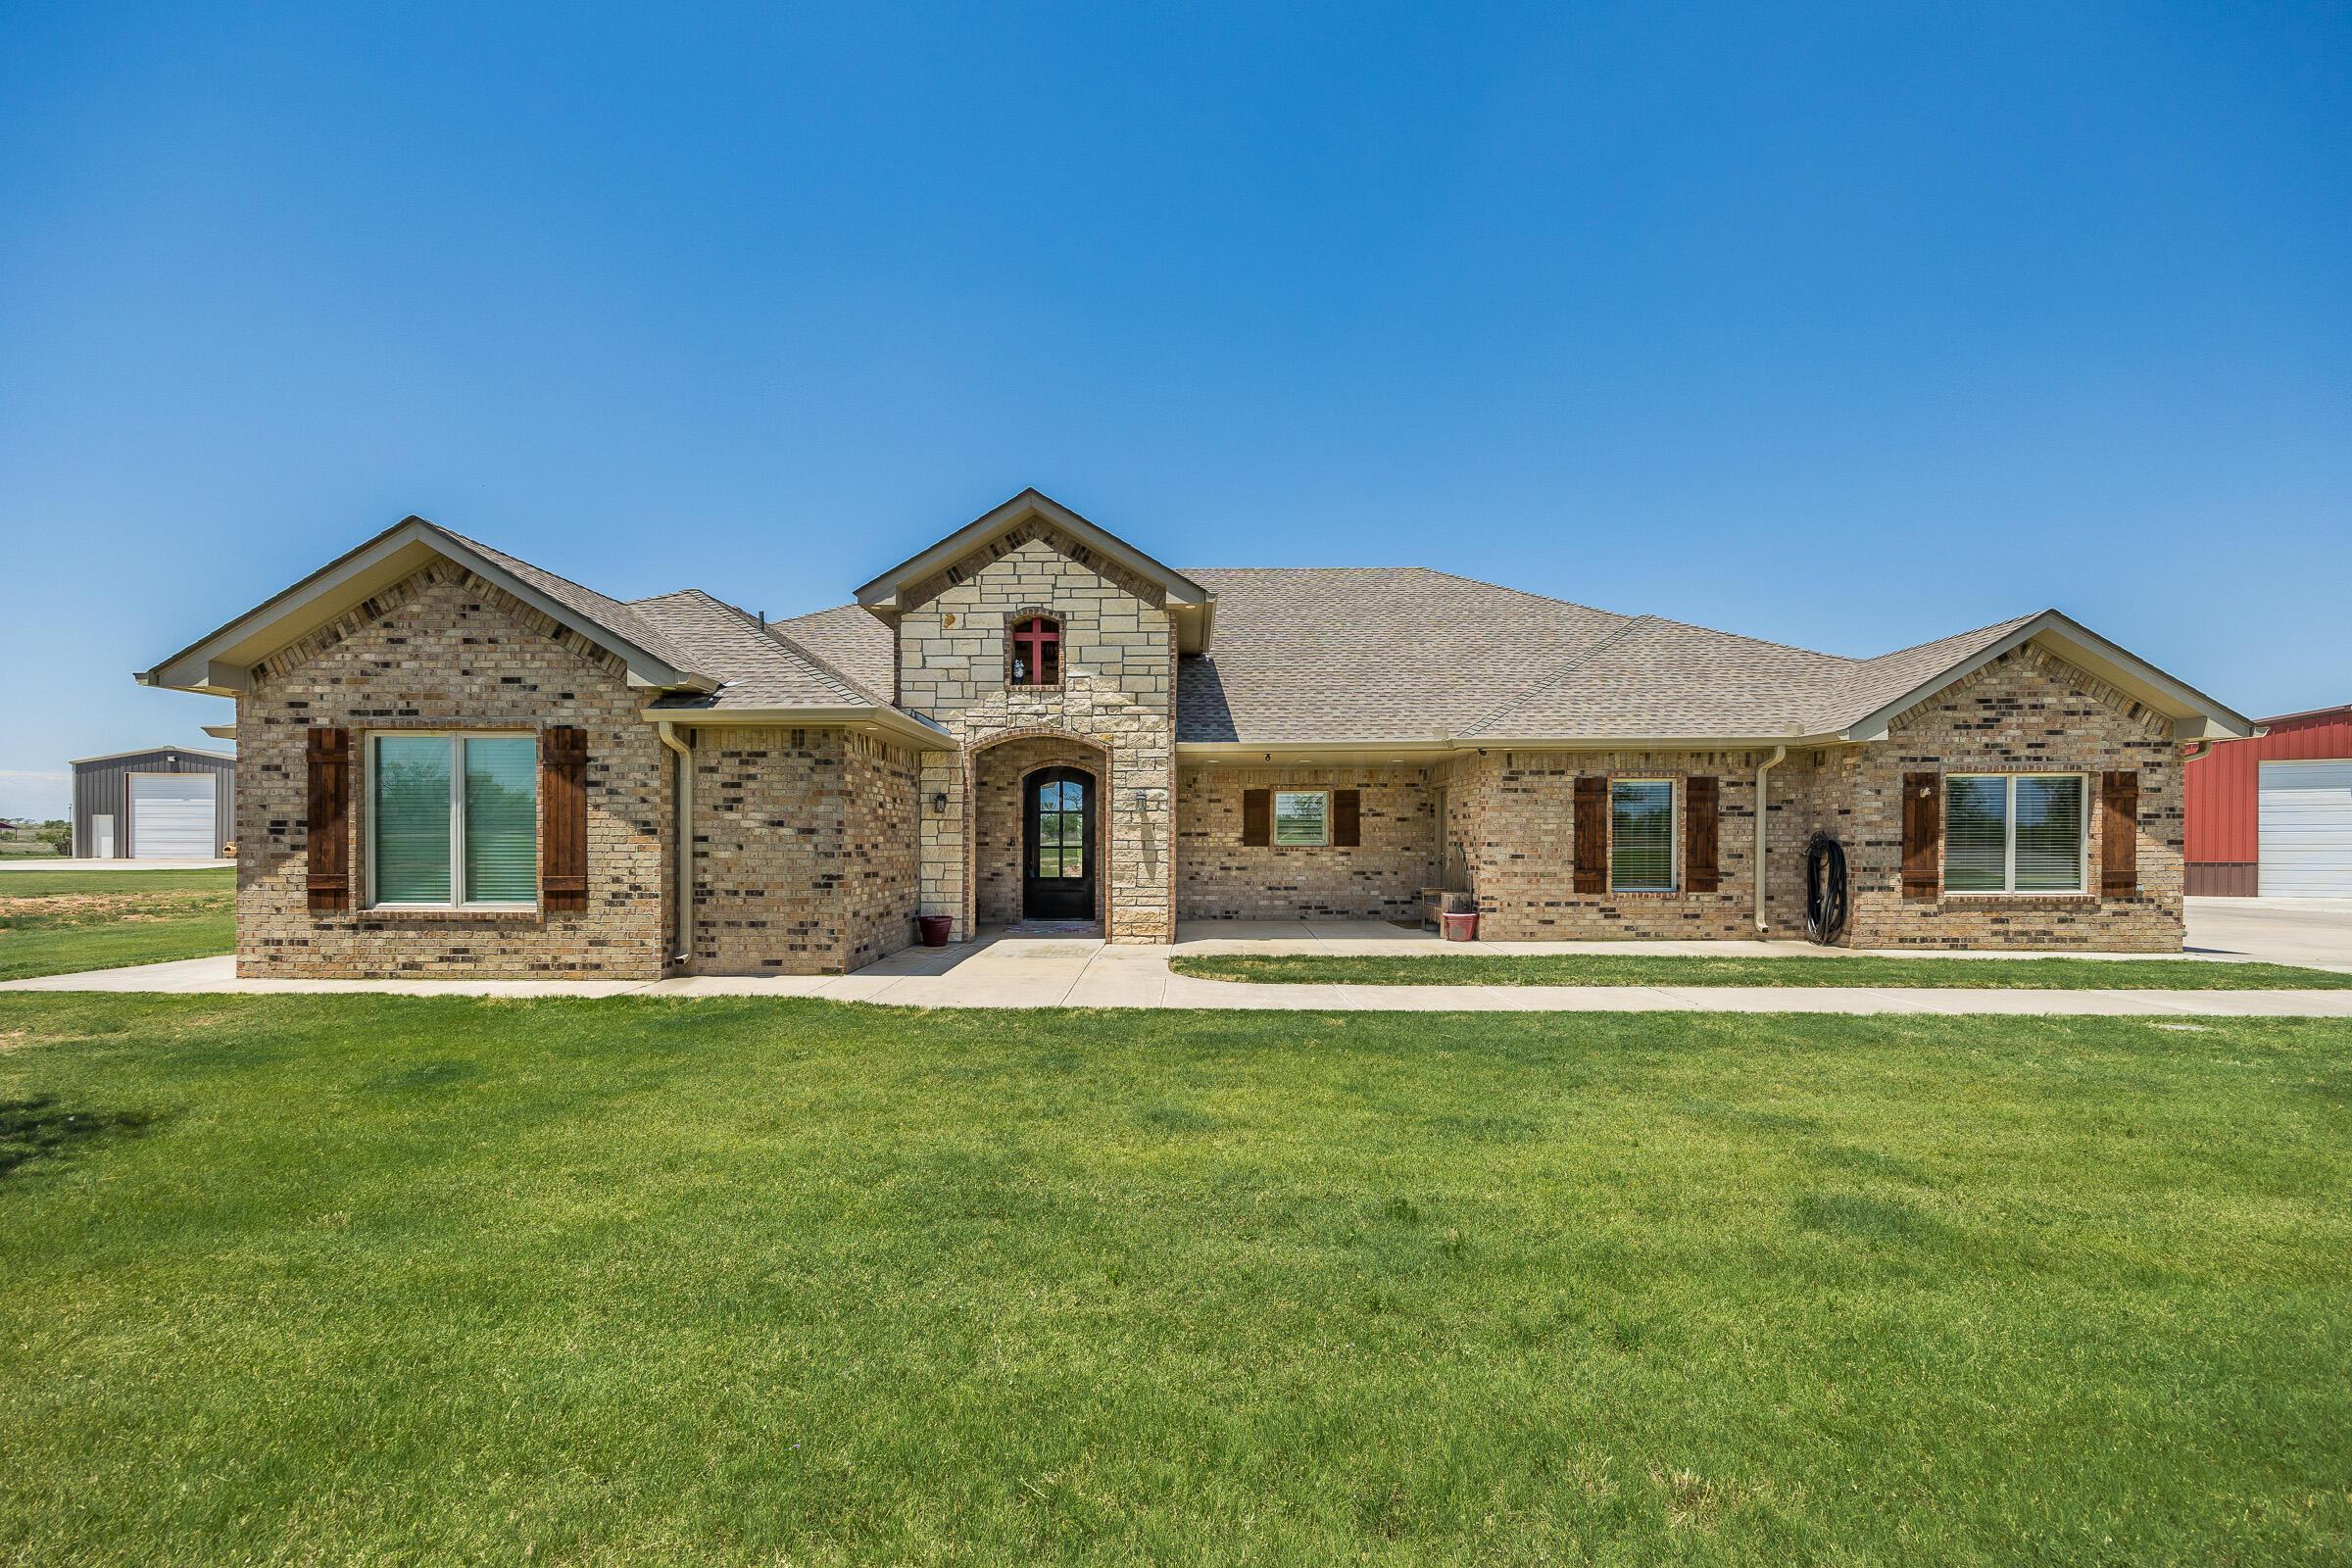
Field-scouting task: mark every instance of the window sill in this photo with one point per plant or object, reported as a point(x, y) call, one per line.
point(2050, 896)
point(444, 912)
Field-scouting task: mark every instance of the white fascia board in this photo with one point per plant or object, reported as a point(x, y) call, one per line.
point(217, 664)
point(887, 719)
point(2194, 715)
point(883, 590)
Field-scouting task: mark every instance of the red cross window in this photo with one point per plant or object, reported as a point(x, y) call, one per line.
point(1037, 652)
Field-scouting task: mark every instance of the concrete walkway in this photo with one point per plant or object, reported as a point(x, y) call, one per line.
point(59, 863)
point(1061, 971)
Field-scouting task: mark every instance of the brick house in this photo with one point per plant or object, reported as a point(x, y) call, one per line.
point(452, 762)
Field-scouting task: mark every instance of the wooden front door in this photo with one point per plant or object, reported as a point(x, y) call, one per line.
point(1058, 845)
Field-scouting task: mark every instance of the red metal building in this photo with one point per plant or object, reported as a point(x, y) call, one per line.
point(2226, 804)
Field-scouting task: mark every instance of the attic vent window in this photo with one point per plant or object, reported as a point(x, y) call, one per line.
point(1036, 652)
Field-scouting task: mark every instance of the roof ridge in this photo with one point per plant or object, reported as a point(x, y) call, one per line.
point(1955, 636)
point(1437, 571)
point(1567, 667)
point(1760, 642)
point(823, 666)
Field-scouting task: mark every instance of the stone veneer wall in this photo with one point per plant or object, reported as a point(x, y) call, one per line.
point(1220, 878)
point(2028, 712)
point(1118, 681)
point(445, 650)
point(803, 850)
point(998, 818)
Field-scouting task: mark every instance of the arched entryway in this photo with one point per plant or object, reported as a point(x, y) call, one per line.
point(1059, 872)
point(1041, 807)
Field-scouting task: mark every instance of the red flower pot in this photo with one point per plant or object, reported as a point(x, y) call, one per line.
point(935, 928)
point(1461, 926)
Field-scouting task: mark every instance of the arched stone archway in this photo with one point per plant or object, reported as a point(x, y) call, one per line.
point(996, 774)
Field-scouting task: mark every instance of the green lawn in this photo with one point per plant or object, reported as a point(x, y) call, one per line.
point(57, 922)
point(1672, 969)
point(298, 1279)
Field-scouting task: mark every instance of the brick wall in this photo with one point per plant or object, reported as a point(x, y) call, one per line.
point(2028, 712)
point(443, 649)
point(882, 845)
point(803, 850)
point(1517, 813)
point(998, 819)
point(1118, 679)
point(1220, 878)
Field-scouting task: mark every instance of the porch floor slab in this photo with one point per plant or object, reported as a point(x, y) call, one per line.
point(1002, 970)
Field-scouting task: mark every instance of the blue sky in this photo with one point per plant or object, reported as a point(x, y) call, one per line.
point(1845, 327)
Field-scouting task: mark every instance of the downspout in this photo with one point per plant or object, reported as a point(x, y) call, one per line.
point(2196, 750)
point(682, 919)
point(1778, 752)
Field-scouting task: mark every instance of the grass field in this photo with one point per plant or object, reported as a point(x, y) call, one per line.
point(59, 922)
point(1674, 969)
point(298, 1279)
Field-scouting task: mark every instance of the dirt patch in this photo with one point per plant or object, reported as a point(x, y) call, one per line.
point(83, 908)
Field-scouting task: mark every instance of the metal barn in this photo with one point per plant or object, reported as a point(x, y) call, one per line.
point(166, 803)
point(2272, 817)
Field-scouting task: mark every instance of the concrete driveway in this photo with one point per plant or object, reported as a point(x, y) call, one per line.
point(2317, 932)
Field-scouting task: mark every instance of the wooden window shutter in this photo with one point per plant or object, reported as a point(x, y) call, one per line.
point(2118, 834)
point(1699, 871)
point(1922, 834)
point(1257, 817)
point(328, 753)
point(1347, 817)
point(1592, 833)
point(564, 829)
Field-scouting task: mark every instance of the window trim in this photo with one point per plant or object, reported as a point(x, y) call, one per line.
point(1674, 834)
point(456, 819)
point(1061, 644)
point(1275, 793)
point(2009, 888)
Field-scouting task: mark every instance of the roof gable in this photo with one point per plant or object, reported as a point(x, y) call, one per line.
point(220, 664)
point(1033, 515)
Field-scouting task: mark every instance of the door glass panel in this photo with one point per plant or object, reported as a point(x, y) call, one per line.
point(1060, 829)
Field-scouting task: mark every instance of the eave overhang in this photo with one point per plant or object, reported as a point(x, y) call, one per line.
point(904, 727)
point(1191, 608)
point(2194, 715)
point(1434, 747)
point(220, 664)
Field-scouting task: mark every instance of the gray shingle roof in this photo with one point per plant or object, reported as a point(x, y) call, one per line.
point(850, 639)
point(1875, 682)
point(624, 620)
point(1396, 654)
point(1371, 655)
point(758, 669)
point(1371, 652)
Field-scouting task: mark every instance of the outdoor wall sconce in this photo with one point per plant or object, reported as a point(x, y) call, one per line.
point(939, 804)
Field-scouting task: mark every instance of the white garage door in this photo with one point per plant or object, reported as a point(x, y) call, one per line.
point(2307, 830)
point(171, 817)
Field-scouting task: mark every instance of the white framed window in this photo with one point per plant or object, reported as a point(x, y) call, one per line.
point(1641, 835)
point(2015, 832)
point(1302, 817)
point(453, 820)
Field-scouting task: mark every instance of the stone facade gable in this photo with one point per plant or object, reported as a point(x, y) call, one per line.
point(1033, 530)
point(1116, 694)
